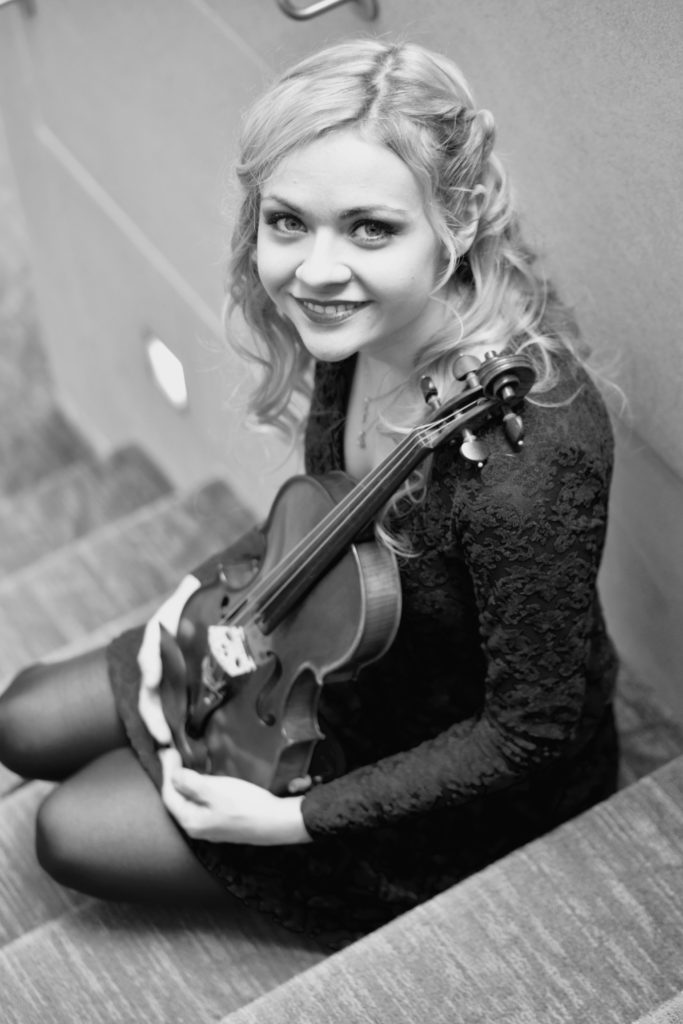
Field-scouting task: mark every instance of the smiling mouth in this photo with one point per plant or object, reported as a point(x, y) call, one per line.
point(329, 312)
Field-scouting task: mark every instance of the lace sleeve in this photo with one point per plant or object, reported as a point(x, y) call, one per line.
point(531, 530)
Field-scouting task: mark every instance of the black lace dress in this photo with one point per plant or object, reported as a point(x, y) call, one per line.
point(489, 721)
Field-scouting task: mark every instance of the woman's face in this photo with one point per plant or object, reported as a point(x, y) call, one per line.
point(346, 252)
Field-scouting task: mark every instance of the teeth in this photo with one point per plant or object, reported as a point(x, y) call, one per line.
point(329, 308)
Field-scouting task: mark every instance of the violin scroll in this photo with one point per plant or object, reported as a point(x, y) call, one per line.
point(508, 379)
point(505, 379)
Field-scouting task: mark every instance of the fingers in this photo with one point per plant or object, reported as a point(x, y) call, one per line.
point(149, 655)
point(180, 781)
point(168, 616)
point(191, 785)
point(150, 662)
point(299, 785)
point(177, 795)
point(152, 715)
point(171, 610)
point(173, 801)
point(171, 761)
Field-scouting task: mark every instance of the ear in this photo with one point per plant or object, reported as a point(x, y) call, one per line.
point(472, 214)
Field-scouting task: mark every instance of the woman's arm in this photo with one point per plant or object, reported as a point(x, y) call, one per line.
point(531, 533)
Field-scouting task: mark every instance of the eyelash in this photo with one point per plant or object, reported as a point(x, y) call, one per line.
point(387, 230)
point(273, 219)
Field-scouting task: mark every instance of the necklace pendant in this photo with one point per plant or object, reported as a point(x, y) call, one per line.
point(362, 440)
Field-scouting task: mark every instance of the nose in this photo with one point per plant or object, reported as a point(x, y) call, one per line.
point(322, 265)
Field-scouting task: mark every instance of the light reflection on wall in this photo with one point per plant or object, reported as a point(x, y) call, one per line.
point(168, 373)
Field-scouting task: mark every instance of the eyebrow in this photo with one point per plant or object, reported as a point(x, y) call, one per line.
point(354, 211)
point(359, 211)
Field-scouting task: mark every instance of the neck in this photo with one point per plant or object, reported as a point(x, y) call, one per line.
point(378, 377)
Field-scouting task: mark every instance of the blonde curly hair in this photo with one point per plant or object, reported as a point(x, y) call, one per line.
point(418, 104)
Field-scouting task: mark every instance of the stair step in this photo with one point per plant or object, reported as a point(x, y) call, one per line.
point(74, 501)
point(67, 594)
point(103, 962)
point(59, 937)
point(28, 897)
point(32, 448)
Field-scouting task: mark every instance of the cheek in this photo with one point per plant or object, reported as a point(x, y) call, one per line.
point(409, 286)
point(413, 274)
point(268, 268)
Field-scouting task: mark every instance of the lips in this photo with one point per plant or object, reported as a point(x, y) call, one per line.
point(329, 312)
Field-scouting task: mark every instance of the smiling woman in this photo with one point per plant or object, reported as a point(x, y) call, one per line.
point(376, 242)
point(350, 282)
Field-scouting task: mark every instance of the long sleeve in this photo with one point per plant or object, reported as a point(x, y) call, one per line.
point(529, 532)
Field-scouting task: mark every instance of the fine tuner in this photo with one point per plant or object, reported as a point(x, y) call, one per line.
point(505, 379)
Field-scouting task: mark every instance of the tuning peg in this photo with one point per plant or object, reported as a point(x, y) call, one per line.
point(465, 369)
point(473, 449)
point(513, 426)
point(429, 392)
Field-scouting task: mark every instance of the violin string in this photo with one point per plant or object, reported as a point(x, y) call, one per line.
point(301, 556)
point(336, 521)
point(268, 590)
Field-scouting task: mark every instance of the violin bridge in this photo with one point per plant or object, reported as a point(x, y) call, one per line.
point(228, 647)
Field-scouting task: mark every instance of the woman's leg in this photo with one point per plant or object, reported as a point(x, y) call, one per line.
point(57, 717)
point(106, 832)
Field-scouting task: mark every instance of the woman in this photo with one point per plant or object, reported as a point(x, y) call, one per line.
point(376, 241)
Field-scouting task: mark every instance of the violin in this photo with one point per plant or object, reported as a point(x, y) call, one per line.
point(242, 679)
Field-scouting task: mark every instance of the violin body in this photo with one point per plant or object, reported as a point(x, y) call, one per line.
point(262, 726)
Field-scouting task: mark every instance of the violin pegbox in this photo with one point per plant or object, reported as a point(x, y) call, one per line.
point(470, 448)
point(497, 386)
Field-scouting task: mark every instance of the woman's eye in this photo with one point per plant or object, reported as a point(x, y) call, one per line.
point(373, 231)
point(285, 223)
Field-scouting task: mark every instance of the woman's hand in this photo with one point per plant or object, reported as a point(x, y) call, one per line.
point(226, 810)
point(149, 659)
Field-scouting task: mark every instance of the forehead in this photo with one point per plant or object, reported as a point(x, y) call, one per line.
point(344, 171)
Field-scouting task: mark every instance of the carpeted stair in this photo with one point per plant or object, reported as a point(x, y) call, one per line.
point(88, 548)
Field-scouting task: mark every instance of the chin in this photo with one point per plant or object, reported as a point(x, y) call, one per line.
point(329, 355)
point(326, 346)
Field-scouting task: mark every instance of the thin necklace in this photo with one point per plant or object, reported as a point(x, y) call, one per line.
point(365, 426)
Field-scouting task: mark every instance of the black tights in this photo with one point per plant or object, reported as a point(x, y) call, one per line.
point(104, 829)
